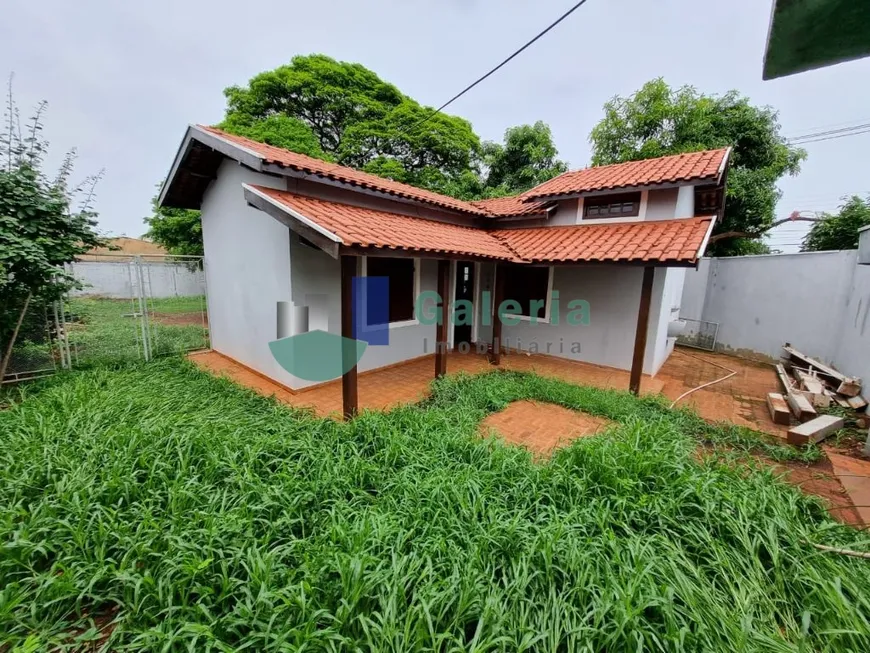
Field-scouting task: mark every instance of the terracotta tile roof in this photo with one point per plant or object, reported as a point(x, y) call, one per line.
point(675, 241)
point(312, 166)
point(364, 227)
point(669, 169)
point(515, 205)
point(683, 167)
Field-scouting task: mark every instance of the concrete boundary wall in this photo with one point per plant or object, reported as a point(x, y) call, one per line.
point(817, 301)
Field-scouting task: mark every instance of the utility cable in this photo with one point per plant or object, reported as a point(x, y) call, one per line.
point(501, 65)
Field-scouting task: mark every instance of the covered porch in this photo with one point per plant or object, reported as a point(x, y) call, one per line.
point(357, 237)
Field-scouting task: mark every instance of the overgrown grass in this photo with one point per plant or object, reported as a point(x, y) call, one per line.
point(214, 519)
point(107, 331)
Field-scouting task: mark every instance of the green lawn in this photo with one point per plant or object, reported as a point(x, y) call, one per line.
point(204, 517)
point(105, 330)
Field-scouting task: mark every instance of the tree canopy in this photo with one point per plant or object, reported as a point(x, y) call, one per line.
point(343, 112)
point(839, 231)
point(40, 230)
point(659, 120)
point(178, 230)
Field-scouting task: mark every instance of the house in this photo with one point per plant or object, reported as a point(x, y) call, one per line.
point(283, 227)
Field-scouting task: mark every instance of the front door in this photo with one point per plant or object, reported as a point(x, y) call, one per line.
point(464, 290)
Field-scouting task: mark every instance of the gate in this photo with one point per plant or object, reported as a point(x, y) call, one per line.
point(128, 308)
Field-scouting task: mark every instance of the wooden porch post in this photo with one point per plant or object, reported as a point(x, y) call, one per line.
point(496, 324)
point(640, 334)
point(441, 327)
point(348, 380)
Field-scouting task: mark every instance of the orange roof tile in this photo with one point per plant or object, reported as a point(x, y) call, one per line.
point(310, 165)
point(364, 227)
point(515, 205)
point(673, 241)
point(676, 241)
point(669, 169)
point(682, 167)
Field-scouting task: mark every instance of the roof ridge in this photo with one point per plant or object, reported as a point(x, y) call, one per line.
point(331, 167)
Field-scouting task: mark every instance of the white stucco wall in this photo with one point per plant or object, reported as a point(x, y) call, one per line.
point(247, 264)
point(852, 354)
point(316, 273)
point(817, 301)
point(613, 293)
point(113, 278)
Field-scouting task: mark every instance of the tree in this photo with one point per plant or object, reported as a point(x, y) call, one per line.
point(39, 229)
point(658, 121)
point(839, 231)
point(178, 230)
point(527, 159)
point(343, 112)
point(355, 118)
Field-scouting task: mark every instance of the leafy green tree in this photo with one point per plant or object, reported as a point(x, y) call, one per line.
point(658, 121)
point(839, 231)
point(40, 230)
point(356, 118)
point(278, 130)
point(178, 230)
point(527, 158)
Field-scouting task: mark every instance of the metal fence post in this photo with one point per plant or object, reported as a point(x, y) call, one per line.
point(143, 309)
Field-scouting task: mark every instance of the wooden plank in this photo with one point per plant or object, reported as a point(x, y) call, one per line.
point(784, 378)
point(778, 407)
point(349, 388)
point(812, 362)
point(809, 383)
point(640, 332)
point(801, 406)
point(815, 430)
point(857, 402)
point(849, 388)
point(441, 327)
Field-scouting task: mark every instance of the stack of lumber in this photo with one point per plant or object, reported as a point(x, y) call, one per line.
point(808, 388)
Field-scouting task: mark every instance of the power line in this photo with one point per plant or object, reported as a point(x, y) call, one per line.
point(830, 138)
point(830, 131)
point(502, 64)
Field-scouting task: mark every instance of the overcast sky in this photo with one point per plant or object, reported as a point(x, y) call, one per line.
point(124, 79)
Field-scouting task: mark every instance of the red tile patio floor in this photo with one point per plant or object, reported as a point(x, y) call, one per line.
point(740, 400)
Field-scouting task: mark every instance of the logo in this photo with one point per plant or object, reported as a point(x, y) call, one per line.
point(309, 349)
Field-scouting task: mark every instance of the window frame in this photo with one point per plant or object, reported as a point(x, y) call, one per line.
point(613, 198)
point(402, 323)
point(548, 300)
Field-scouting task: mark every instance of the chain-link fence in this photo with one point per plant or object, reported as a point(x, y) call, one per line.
point(128, 308)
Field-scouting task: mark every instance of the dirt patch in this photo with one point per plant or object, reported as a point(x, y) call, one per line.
point(180, 319)
point(541, 427)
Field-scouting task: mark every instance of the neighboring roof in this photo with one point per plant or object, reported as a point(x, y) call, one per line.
point(513, 206)
point(805, 35)
point(693, 166)
point(364, 227)
point(671, 241)
point(196, 166)
point(677, 241)
point(122, 246)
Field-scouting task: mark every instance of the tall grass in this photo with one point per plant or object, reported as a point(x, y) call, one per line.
point(214, 519)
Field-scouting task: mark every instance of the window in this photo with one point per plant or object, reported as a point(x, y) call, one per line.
point(708, 201)
point(526, 284)
point(625, 205)
point(401, 273)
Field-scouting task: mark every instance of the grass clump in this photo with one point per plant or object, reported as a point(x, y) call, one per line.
point(210, 518)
